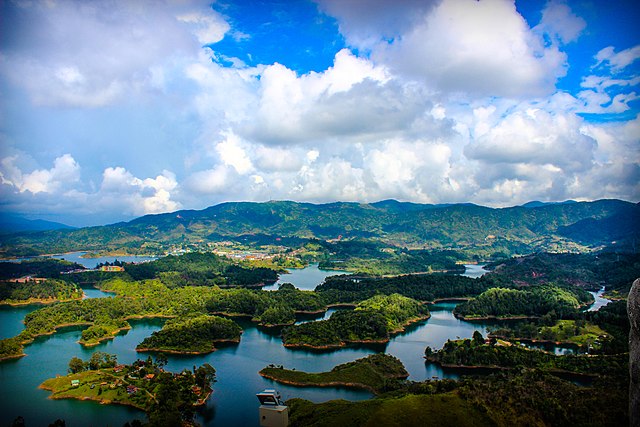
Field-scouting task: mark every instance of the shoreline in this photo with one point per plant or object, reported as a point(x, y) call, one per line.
point(101, 401)
point(492, 317)
point(192, 352)
point(39, 301)
point(343, 344)
point(330, 384)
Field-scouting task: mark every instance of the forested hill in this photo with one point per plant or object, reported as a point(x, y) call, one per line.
point(519, 229)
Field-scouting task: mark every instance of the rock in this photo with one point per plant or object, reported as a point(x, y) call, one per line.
point(633, 308)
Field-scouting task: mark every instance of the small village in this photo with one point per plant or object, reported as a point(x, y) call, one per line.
point(139, 384)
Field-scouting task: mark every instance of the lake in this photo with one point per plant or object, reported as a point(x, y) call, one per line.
point(305, 279)
point(93, 262)
point(599, 301)
point(233, 401)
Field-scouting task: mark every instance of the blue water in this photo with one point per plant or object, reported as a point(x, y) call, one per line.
point(304, 278)
point(599, 301)
point(93, 262)
point(233, 402)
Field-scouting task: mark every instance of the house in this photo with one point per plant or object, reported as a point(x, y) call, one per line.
point(111, 268)
point(149, 376)
point(75, 383)
point(131, 389)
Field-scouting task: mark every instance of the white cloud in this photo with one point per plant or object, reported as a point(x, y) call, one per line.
point(232, 154)
point(490, 51)
point(65, 171)
point(439, 101)
point(210, 181)
point(617, 61)
point(97, 54)
point(137, 196)
point(559, 21)
point(209, 28)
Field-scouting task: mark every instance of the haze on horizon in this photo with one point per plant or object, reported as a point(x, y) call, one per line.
point(113, 110)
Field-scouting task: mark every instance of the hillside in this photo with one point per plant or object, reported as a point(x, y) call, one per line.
point(509, 230)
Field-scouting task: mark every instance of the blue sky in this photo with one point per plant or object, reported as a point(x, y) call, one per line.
point(112, 110)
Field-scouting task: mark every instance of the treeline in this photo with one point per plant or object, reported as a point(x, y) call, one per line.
point(473, 353)
point(532, 301)
point(47, 290)
point(426, 287)
point(367, 257)
point(267, 308)
point(200, 269)
point(40, 267)
point(191, 335)
point(373, 320)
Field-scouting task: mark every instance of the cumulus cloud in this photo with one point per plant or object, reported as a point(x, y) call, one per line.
point(138, 196)
point(490, 51)
point(65, 171)
point(94, 54)
point(432, 101)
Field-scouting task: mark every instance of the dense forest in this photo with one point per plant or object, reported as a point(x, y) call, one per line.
point(48, 290)
point(422, 287)
point(201, 269)
point(373, 320)
point(525, 302)
point(38, 267)
point(613, 270)
point(192, 335)
point(480, 230)
point(475, 352)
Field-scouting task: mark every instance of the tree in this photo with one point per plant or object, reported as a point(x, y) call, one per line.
point(161, 361)
point(101, 360)
point(478, 338)
point(205, 375)
point(76, 365)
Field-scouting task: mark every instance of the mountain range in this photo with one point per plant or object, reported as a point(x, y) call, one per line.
point(520, 229)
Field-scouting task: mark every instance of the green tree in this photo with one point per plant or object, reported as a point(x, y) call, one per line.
point(76, 365)
point(205, 375)
point(478, 338)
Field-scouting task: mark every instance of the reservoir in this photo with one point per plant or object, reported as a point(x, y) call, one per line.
point(233, 401)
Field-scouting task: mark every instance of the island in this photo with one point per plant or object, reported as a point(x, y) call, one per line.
point(377, 373)
point(533, 301)
point(193, 335)
point(144, 384)
point(500, 355)
point(372, 321)
point(37, 290)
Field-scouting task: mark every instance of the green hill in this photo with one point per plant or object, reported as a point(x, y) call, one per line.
point(510, 230)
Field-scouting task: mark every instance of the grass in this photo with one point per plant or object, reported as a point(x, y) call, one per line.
point(61, 388)
point(376, 373)
point(565, 330)
point(408, 411)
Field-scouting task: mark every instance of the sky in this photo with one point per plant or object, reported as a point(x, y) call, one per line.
point(114, 109)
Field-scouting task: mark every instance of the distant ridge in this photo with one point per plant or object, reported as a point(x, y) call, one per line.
point(537, 204)
point(566, 226)
point(10, 223)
